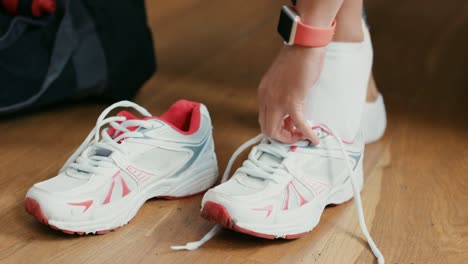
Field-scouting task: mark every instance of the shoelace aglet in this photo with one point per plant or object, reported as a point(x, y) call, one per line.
point(188, 246)
point(196, 244)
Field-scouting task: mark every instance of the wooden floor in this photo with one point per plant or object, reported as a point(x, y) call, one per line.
point(416, 190)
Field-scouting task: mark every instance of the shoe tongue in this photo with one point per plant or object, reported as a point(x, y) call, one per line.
point(264, 156)
point(269, 158)
point(128, 115)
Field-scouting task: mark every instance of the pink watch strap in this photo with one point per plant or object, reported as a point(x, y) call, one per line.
point(313, 36)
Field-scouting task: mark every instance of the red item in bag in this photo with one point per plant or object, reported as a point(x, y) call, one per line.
point(38, 8)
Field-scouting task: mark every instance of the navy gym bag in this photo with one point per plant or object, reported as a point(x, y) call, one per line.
point(87, 48)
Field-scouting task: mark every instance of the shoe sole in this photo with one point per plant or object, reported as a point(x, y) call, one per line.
point(218, 214)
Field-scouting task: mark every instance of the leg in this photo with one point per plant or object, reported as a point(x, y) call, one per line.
point(338, 97)
point(351, 32)
point(349, 22)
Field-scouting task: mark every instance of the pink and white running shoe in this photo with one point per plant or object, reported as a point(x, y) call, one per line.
point(282, 189)
point(110, 176)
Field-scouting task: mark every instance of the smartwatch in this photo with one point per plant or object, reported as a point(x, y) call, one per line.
point(296, 33)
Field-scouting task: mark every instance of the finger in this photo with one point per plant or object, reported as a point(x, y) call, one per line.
point(289, 124)
point(288, 132)
point(288, 137)
point(273, 122)
point(304, 128)
point(274, 127)
point(295, 134)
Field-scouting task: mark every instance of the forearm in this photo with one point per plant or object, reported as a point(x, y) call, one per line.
point(318, 13)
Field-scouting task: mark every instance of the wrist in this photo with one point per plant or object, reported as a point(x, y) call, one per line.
point(295, 32)
point(318, 13)
point(317, 20)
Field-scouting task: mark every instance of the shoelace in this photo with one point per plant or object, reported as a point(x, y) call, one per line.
point(357, 196)
point(258, 167)
point(84, 158)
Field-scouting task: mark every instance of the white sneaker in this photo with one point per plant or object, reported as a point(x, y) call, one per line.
point(109, 177)
point(281, 190)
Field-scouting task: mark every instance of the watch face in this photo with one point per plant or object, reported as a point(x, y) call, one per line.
point(285, 25)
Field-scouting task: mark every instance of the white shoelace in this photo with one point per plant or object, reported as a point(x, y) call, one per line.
point(84, 159)
point(264, 170)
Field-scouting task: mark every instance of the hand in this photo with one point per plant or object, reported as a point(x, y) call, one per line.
point(282, 93)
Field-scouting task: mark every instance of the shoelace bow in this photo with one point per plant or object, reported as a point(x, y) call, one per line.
point(84, 158)
point(253, 166)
